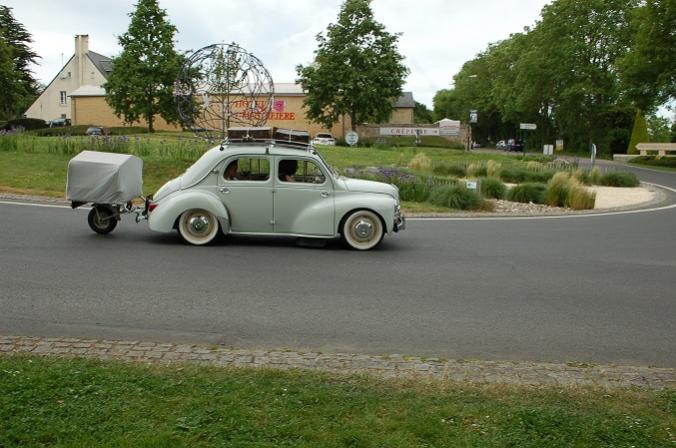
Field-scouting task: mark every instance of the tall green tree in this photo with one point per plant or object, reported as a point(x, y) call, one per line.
point(18, 42)
point(142, 81)
point(10, 85)
point(357, 69)
point(639, 133)
point(649, 69)
point(421, 114)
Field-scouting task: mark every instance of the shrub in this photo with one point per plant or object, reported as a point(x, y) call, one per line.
point(655, 161)
point(81, 129)
point(420, 162)
point(517, 175)
point(25, 123)
point(493, 169)
point(558, 189)
point(579, 198)
point(414, 191)
point(619, 179)
point(492, 187)
point(592, 177)
point(448, 169)
point(476, 170)
point(528, 192)
point(534, 166)
point(457, 197)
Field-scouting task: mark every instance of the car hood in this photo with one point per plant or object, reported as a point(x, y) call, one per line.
point(370, 186)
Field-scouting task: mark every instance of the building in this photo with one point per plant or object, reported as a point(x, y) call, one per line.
point(85, 67)
point(77, 93)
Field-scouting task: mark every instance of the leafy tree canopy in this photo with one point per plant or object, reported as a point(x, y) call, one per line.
point(421, 114)
point(141, 83)
point(10, 86)
point(17, 49)
point(357, 69)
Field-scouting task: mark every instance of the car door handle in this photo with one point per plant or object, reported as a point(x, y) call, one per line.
point(225, 190)
point(324, 194)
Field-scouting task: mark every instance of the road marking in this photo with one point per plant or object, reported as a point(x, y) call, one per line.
point(487, 218)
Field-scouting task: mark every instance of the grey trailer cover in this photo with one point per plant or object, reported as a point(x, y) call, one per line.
point(104, 178)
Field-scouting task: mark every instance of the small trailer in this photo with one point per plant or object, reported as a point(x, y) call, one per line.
point(110, 182)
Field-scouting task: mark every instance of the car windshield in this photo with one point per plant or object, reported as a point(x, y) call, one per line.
point(324, 136)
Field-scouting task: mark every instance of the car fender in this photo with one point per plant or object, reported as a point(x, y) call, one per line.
point(168, 210)
point(382, 204)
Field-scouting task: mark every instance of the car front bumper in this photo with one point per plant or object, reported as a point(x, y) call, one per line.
point(399, 223)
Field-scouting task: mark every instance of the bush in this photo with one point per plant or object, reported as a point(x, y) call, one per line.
point(457, 197)
point(517, 175)
point(25, 123)
point(475, 170)
point(592, 177)
point(448, 169)
point(420, 162)
point(534, 165)
point(414, 191)
point(528, 192)
point(654, 161)
point(579, 198)
point(81, 129)
point(619, 179)
point(558, 189)
point(493, 169)
point(492, 187)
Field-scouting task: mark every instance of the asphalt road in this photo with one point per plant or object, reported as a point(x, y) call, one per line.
point(595, 289)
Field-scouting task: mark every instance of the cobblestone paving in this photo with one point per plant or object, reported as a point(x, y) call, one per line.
point(392, 366)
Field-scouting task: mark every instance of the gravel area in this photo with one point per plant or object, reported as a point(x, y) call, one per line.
point(391, 366)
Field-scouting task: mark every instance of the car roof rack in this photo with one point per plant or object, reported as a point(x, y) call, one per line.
point(287, 137)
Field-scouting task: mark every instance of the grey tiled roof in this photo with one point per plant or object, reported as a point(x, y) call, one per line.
point(103, 63)
point(405, 100)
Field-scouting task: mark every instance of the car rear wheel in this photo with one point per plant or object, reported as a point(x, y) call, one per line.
point(362, 230)
point(198, 227)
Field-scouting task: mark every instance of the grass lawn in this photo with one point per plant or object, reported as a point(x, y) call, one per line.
point(78, 403)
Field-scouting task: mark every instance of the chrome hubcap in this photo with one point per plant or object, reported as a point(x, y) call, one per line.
point(363, 229)
point(198, 224)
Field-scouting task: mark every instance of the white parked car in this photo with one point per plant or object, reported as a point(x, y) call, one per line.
point(267, 187)
point(324, 139)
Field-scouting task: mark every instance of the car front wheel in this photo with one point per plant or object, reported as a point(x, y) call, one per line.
point(198, 227)
point(362, 230)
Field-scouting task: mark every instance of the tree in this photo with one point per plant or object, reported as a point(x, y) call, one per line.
point(639, 134)
point(421, 114)
point(357, 69)
point(649, 69)
point(18, 40)
point(659, 129)
point(142, 81)
point(10, 85)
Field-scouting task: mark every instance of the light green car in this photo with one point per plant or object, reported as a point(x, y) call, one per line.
point(266, 187)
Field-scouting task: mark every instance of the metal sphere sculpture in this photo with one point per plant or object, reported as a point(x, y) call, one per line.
point(223, 86)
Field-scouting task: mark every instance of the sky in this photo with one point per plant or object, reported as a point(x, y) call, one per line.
point(438, 36)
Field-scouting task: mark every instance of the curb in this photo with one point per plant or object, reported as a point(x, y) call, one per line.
point(392, 366)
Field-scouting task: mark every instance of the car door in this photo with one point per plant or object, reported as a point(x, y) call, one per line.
point(246, 192)
point(303, 198)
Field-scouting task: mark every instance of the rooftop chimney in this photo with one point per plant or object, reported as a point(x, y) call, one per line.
point(81, 50)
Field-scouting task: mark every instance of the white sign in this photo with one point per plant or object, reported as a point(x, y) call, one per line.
point(528, 126)
point(471, 185)
point(351, 138)
point(449, 127)
point(548, 150)
point(473, 116)
point(409, 131)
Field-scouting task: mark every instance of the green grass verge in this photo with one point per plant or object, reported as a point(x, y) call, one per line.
point(77, 403)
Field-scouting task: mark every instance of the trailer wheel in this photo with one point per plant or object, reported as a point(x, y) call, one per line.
point(197, 227)
point(102, 219)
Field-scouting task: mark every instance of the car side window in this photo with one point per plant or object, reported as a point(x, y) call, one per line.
point(300, 171)
point(247, 168)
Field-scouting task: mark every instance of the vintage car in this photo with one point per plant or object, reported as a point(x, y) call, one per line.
point(261, 186)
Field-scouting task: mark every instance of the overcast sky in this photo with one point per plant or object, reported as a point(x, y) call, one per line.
point(438, 35)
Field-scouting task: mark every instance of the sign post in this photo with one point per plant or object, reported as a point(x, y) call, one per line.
point(351, 138)
point(473, 118)
point(526, 127)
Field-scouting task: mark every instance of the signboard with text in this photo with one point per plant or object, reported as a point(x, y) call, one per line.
point(449, 127)
point(409, 131)
point(528, 126)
